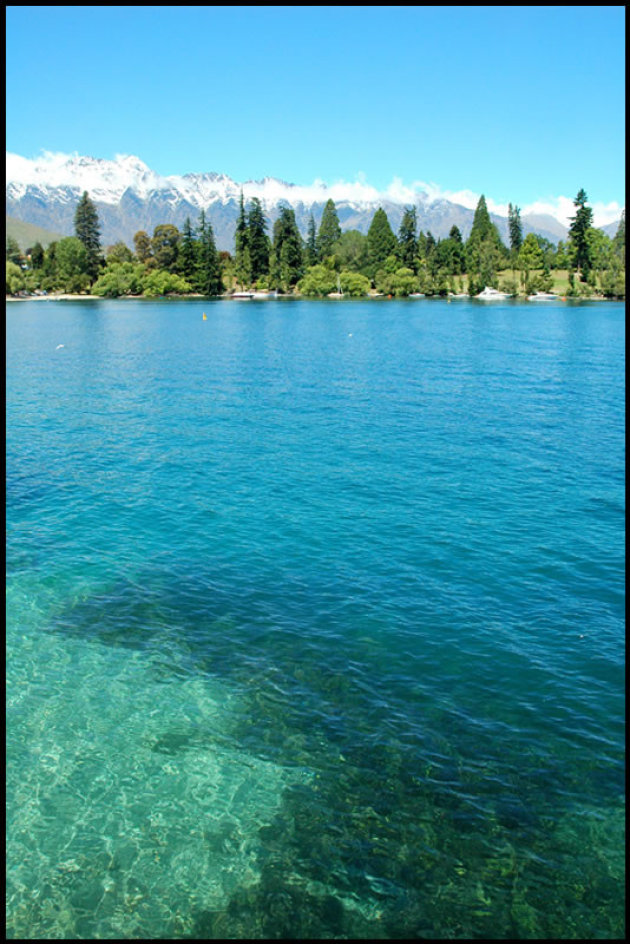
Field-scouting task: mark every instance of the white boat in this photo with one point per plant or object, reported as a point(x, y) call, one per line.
point(416, 295)
point(542, 297)
point(242, 295)
point(492, 294)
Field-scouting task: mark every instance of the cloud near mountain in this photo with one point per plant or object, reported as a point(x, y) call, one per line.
point(130, 196)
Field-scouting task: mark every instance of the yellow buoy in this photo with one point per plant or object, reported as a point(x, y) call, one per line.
point(204, 316)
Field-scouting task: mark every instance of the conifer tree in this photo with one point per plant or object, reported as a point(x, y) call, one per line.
point(311, 256)
point(287, 269)
point(381, 241)
point(186, 259)
point(484, 250)
point(458, 256)
point(87, 229)
point(37, 256)
point(208, 275)
point(516, 231)
point(578, 235)
point(407, 241)
point(329, 231)
point(257, 240)
point(242, 262)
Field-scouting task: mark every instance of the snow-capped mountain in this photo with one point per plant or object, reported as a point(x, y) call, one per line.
point(129, 196)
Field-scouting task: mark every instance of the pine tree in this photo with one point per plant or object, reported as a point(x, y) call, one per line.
point(87, 229)
point(208, 275)
point(381, 241)
point(287, 267)
point(484, 250)
point(186, 259)
point(311, 256)
point(578, 234)
point(242, 263)
point(482, 224)
point(516, 231)
point(37, 256)
point(257, 240)
point(329, 231)
point(458, 255)
point(407, 241)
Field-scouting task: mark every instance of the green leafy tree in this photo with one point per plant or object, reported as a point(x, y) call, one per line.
point(164, 244)
point(118, 253)
point(157, 282)
point(257, 240)
point(37, 256)
point(143, 248)
point(72, 263)
point(227, 271)
point(530, 257)
point(318, 280)
point(48, 274)
point(600, 249)
point(548, 250)
point(561, 256)
point(407, 239)
point(400, 283)
point(14, 253)
point(351, 252)
point(120, 278)
point(329, 231)
point(613, 283)
point(578, 235)
point(354, 284)
point(87, 229)
point(16, 281)
point(381, 242)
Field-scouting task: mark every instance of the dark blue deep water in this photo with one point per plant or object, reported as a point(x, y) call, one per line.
point(315, 617)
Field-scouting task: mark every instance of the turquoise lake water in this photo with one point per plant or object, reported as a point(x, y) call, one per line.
point(315, 619)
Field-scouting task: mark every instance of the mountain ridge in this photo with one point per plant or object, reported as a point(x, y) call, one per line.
point(129, 196)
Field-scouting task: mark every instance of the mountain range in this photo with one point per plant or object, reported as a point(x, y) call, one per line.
point(129, 196)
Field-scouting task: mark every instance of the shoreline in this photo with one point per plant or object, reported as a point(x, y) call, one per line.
point(99, 298)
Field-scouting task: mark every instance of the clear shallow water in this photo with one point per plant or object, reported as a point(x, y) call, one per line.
point(315, 619)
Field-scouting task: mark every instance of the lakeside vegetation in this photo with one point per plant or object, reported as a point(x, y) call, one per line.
point(328, 261)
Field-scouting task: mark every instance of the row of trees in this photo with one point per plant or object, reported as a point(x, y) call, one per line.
point(326, 261)
point(413, 261)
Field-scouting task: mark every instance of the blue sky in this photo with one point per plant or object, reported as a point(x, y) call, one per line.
point(523, 104)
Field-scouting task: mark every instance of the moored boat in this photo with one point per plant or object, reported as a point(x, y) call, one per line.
point(492, 294)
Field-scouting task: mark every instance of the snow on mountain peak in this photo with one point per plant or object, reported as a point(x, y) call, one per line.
point(64, 176)
point(104, 180)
